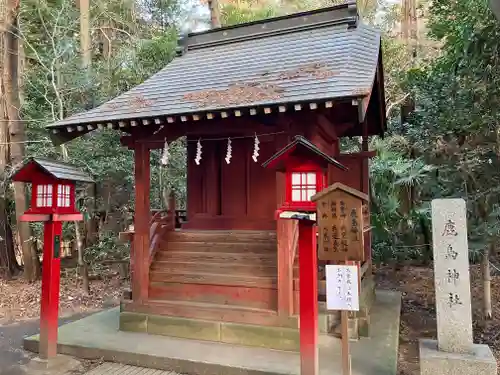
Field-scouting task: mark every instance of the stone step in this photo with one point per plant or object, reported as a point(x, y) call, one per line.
point(212, 312)
point(280, 338)
point(215, 294)
point(222, 268)
point(220, 247)
point(213, 279)
point(222, 236)
point(217, 257)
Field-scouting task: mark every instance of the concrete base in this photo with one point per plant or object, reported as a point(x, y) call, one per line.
point(97, 336)
point(280, 338)
point(435, 362)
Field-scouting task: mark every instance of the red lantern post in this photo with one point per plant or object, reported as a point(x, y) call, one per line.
point(308, 281)
point(52, 202)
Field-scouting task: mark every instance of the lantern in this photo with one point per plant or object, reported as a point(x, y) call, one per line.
point(53, 188)
point(305, 167)
point(52, 202)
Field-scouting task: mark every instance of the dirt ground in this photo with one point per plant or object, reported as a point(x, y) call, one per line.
point(418, 313)
point(20, 300)
point(19, 308)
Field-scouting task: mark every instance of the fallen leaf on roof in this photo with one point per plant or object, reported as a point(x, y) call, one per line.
point(236, 93)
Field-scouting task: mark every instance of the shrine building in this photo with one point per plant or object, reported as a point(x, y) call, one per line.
point(285, 84)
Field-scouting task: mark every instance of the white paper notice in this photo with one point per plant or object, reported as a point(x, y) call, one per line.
point(342, 291)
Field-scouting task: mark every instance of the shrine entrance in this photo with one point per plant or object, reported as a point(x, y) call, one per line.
point(222, 195)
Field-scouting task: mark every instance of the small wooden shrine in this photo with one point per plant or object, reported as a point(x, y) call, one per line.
point(239, 95)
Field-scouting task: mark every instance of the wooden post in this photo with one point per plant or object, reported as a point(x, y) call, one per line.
point(140, 259)
point(346, 356)
point(308, 284)
point(285, 267)
point(49, 309)
point(344, 326)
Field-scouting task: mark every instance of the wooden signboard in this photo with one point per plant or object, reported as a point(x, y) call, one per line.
point(341, 223)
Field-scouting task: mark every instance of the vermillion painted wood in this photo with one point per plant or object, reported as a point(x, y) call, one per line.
point(49, 309)
point(308, 269)
point(287, 232)
point(140, 256)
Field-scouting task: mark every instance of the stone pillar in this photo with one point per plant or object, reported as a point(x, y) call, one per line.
point(454, 351)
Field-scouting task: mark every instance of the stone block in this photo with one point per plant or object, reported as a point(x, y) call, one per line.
point(367, 296)
point(352, 329)
point(260, 336)
point(451, 275)
point(133, 322)
point(364, 327)
point(184, 328)
point(323, 322)
point(435, 362)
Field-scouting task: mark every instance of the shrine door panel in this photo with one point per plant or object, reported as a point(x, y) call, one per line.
point(195, 183)
point(234, 179)
point(262, 182)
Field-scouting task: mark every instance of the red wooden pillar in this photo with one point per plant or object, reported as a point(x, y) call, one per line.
point(308, 283)
point(285, 234)
point(49, 309)
point(140, 255)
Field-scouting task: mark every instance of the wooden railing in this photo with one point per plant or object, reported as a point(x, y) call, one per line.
point(288, 239)
point(161, 222)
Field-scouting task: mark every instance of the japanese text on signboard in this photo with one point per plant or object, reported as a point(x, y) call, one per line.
point(340, 227)
point(342, 287)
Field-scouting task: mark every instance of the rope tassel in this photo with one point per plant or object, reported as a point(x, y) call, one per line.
point(197, 159)
point(256, 148)
point(166, 154)
point(229, 151)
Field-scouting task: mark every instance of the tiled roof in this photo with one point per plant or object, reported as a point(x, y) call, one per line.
point(321, 55)
point(57, 169)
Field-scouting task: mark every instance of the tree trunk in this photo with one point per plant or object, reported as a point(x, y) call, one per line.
point(8, 262)
point(85, 33)
point(85, 48)
point(487, 283)
point(82, 266)
point(213, 6)
point(17, 134)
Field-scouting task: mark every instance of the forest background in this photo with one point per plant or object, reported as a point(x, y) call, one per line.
point(442, 72)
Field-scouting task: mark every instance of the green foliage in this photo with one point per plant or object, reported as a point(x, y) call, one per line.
point(56, 86)
point(233, 15)
point(399, 217)
point(454, 126)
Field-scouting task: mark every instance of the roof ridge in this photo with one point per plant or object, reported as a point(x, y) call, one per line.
point(346, 13)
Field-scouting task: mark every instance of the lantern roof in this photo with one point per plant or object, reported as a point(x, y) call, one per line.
point(301, 148)
point(338, 186)
point(55, 169)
